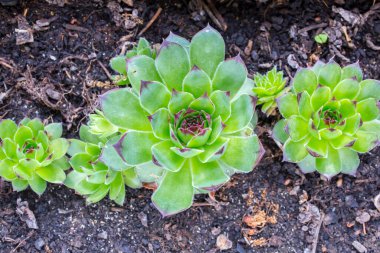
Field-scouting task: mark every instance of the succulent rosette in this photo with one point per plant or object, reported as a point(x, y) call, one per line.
point(331, 116)
point(91, 176)
point(32, 154)
point(268, 88)
point(188, 113)
point(118, 63)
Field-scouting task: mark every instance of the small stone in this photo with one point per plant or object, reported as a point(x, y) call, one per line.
point(305, 228)
point(143, 218)
point(359, 247)
point(39, 243)
point(103, 235)
point(292, 61)
point(330, 218)
point(254, 55)
point(223, 243)
point(376, 202)
point(351, 201)
point(376, 28)
point(363, 217)
point(215, 231)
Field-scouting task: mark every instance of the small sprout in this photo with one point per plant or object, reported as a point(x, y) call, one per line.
point(32, 154)
point(331, 115)
point(119, 63)
point(321, 38)
point(189, 115)
point(268, 88)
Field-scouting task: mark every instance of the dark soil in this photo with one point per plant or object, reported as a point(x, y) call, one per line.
point(59, 75)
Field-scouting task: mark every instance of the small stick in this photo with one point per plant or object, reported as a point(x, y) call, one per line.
point(218, 15)
point(312, 27)
point(316, 236)
point(105, 70)
point(158, 12)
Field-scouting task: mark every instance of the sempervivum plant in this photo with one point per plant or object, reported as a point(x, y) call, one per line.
point(118, 63)
point(32, 154)
point(92, 177)
point(268, 88)
point(331, 116)
point(189, 114)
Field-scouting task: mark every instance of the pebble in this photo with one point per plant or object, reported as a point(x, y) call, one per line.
point(215, 231)
point(359, 247)
point(351, 201)
point(330, 218)
point(363, 217)
point(223, 243)
point(39, 243)
point(292, 61)
point(376, 28)
point(103, 235)
point(254, 55)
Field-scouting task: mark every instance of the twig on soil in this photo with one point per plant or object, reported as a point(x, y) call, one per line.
point(214, 14)
point(316, 234)
point(75, 28)
point(22, 242)
point(5, 64)
point(3, 95)
point(312, 27)
point(105, 70)
point(370, 44)
point(339, 54)
point(217, 15)
point(149, 24)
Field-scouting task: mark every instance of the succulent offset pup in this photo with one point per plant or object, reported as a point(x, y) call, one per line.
point(118, 63)
point(188, 113)
point(91, 176)
point(32, 154)
point(331, 116)
point(268, 88)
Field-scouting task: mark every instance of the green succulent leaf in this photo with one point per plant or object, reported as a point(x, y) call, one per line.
point(305, 80)
point(368, 109)
point(297, 128)
point(203, 103)
point(208, 176)
point(175, 192)
point(165, 156)
point(352, 71)
point(8, 129)
point(153, 96)
point(294, 151)
point(221, 101)
point(179, 40)
point(172, 64)
point(54, 130)
point(135, 147)
point(330, 75)
point(207, 50)
point(119, 64)
point(347, 88)
point(160, 124)
point(180, 100)
point(197, 82)
point(122, 108)
point(141, 68)
point(37, 184)
point(242, 110)
point(243, 153)
point(279, 133)
point(320, 97)
point(51, 174)
point(288, 105)
point(369, 89)
point(230, 75)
